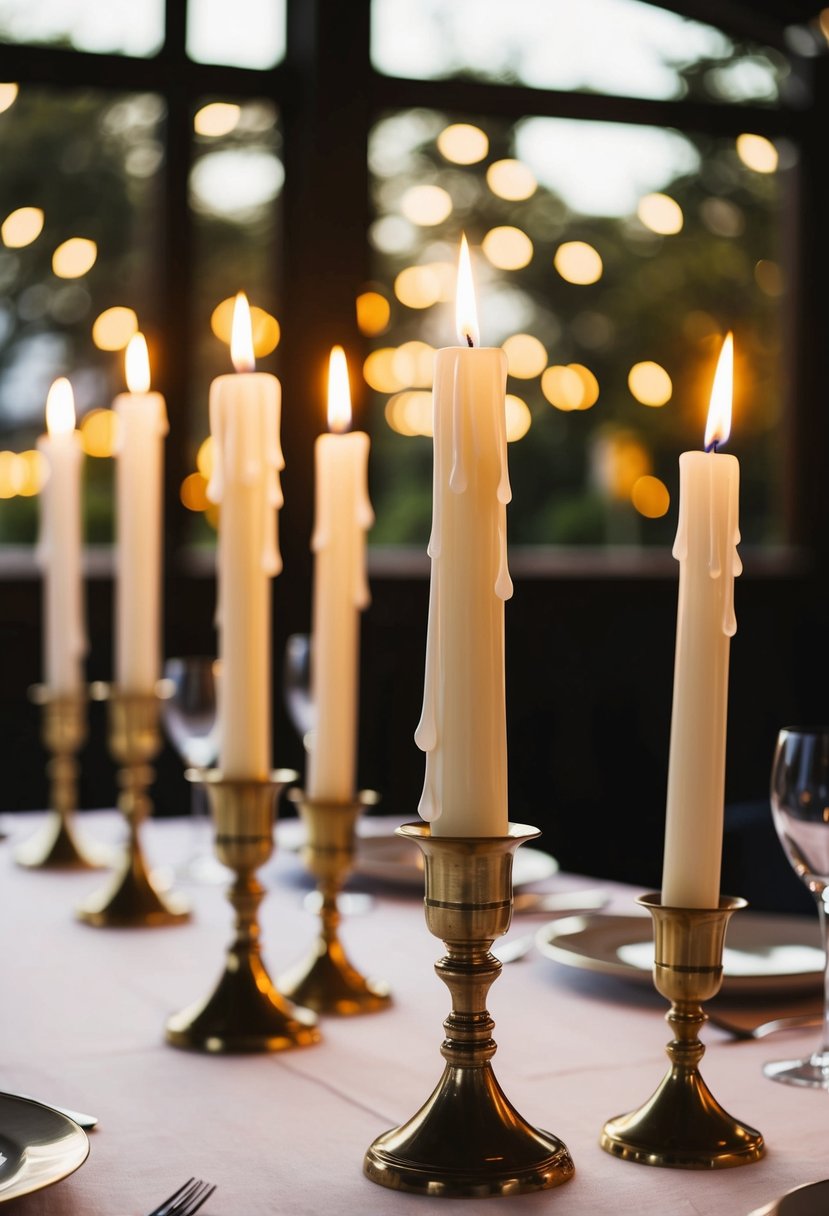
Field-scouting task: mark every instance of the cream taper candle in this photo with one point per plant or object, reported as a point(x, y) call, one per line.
point(343, 515)
point(60, 545)
point(462, 729)
point(706, 548)
point(244, 423)
point(142, 425)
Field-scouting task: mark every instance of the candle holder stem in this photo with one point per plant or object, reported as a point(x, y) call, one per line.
point(245, 1012)
point(468, 1140)
point(63, 731)
point(131, 900)
point(682, 1125)
point(326, 980)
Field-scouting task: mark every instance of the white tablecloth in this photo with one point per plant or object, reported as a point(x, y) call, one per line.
point(82, 1017)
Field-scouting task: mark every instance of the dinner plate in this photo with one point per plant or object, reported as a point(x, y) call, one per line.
point(809, 1200)
point(763, 952)
point(38, 1146)
point(393, 859)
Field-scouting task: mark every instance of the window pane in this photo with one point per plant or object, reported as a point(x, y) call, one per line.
point(610, 260)
point(78, 219)
point(607, 46)
point(235, 188)
point(241, 33)
point(128, 27)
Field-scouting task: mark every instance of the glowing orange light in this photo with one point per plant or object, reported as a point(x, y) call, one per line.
point(339, 392)
point(60, 408)
point(138, 364)
point(241, 338)
point(466, 312)
point(718, 427)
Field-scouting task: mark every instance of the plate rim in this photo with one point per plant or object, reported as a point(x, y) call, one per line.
point(79, 1137)
point(372, 838)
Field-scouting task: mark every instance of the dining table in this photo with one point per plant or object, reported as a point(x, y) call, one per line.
point(82, 1020)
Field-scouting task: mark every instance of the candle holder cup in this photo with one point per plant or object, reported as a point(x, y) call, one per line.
point(682, 1125)
point(246, 1012)
point(63, 731)
point(468, 1140)
point(131, 900)
point(326, 981)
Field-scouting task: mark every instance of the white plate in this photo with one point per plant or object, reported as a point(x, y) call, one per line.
point(38, 1146)
point(763, 952)
point(393, 859)
point(809, 1200)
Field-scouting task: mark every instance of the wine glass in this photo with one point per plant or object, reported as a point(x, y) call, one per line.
point(800, 808)
point(296, 685)
point(190, 720)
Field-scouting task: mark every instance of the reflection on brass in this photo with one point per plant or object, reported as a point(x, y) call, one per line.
point(245, 1012)
point(682, 1125)
point(327, 981)
point(468, 1140)
point(131, 900)
point(63, 731)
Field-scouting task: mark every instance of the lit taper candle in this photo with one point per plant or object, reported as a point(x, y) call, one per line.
point(706, 548)
point(244, 423)
point(343, 515)
point(462, 729)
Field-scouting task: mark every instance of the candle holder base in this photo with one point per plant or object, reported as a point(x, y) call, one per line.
point(326, 981)
point(682, 1126)
point(245, 1012)
point(63, 731)
point(131, 900)
point(468, 1140)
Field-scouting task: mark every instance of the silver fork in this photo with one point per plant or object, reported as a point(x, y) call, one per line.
point(186, 1200)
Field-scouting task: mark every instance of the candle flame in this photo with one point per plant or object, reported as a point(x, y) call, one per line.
point(466, 312)
point(718, 427)
point(60, 408)
point(241, 337)
point(339, 392)
point(138, 364)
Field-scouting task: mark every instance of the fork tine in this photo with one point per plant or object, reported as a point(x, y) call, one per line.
point(197, 1200)
point(165, 1207)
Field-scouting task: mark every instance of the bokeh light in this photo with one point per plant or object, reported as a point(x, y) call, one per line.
point(266, 331)
point(99, 432)
point(757, 153)
point(769, 278)
point(205, 458)
point(661, 214)
point(463, 144)
point(571, 387)
point(410, 413)
point(418, 287)
point(413, 364)
point(379, 373)
point(519, 418)
point(21, 227)
point(11, 474)
point(373, 313)
point(526, 356)
point(619, 459)
point(507, 248)
point(511, 179)
point(650, 384)
point(216, 119)
point(193, 493)
point(578, 262)
point(650, 497)
point(74, 258)
point(426, 205)
point(33, 472)
point(8, 95)
point(113, 328)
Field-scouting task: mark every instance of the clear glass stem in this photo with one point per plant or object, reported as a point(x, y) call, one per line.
point(820, 896)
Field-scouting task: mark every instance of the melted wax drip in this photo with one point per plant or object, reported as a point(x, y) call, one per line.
point(723, 559)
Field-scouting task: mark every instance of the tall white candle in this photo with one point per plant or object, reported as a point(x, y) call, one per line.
point(463, 725)
point(142, 425)
point(244, 423)
point(706, 548)
point(60, 544)
point(343, 515)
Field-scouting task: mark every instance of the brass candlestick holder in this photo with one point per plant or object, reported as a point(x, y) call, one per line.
point(63, 730)
point(245, 1012)
point(131, 900)
point(326, 981)
point(468, 1140)
point(682, 1125)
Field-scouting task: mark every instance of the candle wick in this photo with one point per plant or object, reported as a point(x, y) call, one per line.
point(469, 340)
point(713, 445)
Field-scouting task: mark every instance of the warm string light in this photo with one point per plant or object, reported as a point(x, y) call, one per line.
point(137, 362)
point(60, 408)
point(241, 339)
point(718, 426)
point(339, 392)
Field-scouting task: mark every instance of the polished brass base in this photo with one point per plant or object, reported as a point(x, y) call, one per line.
point(245, 1013)
point(63, 730)
point(327, 981)
point(468, 1140)
point(131, 900)
point(682, 1125)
